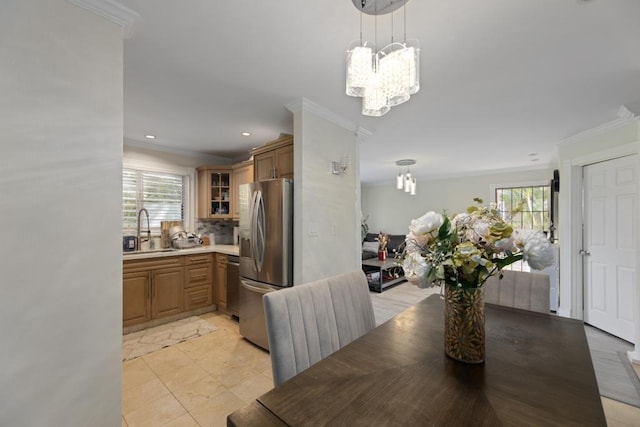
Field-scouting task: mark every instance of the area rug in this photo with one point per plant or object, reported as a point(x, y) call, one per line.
point(153, 339)
point(615, 376)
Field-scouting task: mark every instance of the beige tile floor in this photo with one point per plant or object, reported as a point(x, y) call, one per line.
point(200, 381)
point(196, 382)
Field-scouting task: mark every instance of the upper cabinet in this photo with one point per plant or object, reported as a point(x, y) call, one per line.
point(242, 174)
point(274, 159)
point(215, 188)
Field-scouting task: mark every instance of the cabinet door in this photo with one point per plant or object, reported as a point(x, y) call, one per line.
point(204, 199)
point(221, 282)
point(284, 162)
point(135, 298)
point(241, 175)
point(167, 292)
point(264, 165)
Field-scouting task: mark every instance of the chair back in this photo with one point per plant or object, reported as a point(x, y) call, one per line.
point(308, 322)
point(519, 289)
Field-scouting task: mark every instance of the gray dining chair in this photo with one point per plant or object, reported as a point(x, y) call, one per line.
point(308, 322)
point(519, 289)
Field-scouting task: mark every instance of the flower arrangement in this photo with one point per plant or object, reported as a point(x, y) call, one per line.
point(465, 251)
point(383, 241)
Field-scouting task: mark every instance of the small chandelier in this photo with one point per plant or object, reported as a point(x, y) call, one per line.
point(385, 78)
point(404, 181)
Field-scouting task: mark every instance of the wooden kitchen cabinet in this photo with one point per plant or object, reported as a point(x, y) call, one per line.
point(274, 159)
point(166, 292)
point(152, 289)
point(215, 188)
point(221, 282)
point(242, 174)
point(136, 304)
point(198, 281)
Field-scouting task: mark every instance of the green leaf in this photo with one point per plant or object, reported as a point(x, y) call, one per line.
point(503, 262)
point(445, 229)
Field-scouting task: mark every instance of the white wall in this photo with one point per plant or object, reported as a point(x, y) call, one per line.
point(392, 210)
point(135, 153)
point(326, 206)
point(60, 206)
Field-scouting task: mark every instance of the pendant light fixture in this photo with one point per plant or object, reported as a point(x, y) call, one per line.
point(389, 76)
point(405, 181)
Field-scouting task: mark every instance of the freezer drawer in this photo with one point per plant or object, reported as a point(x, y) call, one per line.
point(252, 323)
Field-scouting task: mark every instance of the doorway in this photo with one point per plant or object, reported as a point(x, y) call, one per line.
point(610, 242)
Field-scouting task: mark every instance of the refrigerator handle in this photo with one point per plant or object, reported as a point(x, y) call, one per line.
point(254, 233)
point(260, 230)
point(258, 289)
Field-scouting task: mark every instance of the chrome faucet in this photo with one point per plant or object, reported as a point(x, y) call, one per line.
point(138, 239)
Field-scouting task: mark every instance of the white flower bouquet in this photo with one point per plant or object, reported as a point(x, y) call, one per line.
point(465, 251)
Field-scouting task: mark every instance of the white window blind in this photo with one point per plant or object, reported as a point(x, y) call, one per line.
point(162, 194)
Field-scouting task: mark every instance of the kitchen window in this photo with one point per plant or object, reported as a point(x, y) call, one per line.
point(535, 213)
point(164, 195)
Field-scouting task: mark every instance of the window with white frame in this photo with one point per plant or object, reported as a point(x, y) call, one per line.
point(163, 195)
point(535, 214)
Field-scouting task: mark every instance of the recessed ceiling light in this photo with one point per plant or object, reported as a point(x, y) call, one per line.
point(535, 160)
point(246, 134)
point(533, 154)
point(150, 136)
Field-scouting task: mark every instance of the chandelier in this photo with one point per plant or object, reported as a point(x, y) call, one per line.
point(387, 77)
point(404, 181)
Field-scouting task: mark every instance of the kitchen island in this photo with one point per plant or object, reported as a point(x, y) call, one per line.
point(164, 285)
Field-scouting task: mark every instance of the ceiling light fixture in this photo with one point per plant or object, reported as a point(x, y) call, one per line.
point(405, 181)
point(149, 136)
point(388, 77)
point(246, 134)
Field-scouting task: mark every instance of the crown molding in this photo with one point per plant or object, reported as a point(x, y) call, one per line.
point(301, 104)
point(111, 11)
point(624, 113)
point(602, 129)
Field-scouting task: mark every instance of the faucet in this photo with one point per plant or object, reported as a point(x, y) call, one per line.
point(138, 239)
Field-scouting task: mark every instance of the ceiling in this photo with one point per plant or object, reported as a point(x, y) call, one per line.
point(502, 81)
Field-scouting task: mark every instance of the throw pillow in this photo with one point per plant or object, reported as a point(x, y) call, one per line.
point(370, 247)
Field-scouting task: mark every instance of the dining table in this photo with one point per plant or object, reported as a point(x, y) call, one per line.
point(537, 372)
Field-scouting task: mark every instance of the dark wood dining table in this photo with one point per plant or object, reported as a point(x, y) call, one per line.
point(537, 371)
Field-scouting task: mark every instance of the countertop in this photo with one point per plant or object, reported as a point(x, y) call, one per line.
point(223, 249)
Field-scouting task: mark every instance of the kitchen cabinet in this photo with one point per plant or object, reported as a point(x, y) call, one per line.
point(198, 281)
point(274, 159)
point(152, 289)
point(215, 186)
point(136, 305)
point(221, 282)
point(242, 174)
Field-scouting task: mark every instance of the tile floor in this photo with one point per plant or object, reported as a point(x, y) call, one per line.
point(197, 382)
point(200, 381)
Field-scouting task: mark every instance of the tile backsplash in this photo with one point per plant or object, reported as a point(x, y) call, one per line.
point(223, 229)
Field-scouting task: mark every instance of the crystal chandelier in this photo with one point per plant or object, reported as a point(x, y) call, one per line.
point(404, 181)
point(385, 78)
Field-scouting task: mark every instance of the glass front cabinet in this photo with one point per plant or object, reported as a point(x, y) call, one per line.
point(214, 192)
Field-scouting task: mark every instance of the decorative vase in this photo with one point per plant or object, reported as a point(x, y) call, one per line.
point(382, 255)
point(464, 324)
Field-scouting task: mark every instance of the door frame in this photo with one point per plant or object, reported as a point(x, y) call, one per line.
point(570, 222)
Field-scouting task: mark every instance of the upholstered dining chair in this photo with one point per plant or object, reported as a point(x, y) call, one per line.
point(308, 322)
point(519, 289)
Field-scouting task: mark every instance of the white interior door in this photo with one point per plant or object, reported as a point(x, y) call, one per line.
point(609, 245)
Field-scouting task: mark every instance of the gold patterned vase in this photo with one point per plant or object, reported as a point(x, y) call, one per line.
point(464, 324)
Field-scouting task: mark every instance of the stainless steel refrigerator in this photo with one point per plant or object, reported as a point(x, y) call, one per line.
point(266, 255)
